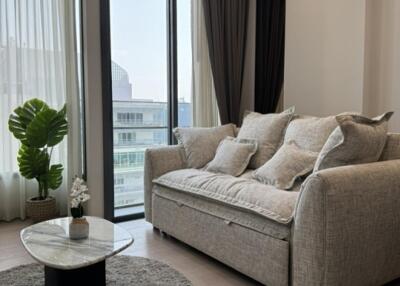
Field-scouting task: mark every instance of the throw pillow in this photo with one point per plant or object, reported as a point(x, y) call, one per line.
point(391, 151)
point(200, 143)
point(268, 130)
point(232, 156)
point(309, 132)
point(356, 140)
point(289, 163)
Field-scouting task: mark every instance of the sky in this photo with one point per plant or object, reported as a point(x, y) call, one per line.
point(139, 45)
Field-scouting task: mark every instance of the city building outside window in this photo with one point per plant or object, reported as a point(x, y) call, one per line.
point(130, 117)
point(125, 138)
point(139, 88)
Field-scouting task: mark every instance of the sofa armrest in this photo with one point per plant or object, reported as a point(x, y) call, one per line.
point(346, 227)
point(157, 162)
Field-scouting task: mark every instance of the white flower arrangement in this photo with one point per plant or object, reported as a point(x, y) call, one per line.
point(79, 195)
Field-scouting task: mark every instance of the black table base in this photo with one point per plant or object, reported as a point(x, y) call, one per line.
point(94, 274)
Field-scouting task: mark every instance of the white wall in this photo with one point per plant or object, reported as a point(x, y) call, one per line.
point(382, 60)
point(343, 56)
point(324, 55)
point(93, 106)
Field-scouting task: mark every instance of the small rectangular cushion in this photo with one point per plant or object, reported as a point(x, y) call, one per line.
point(356, 140)
point(287, 165)
point(268, 130)
point(232, 156)
point(249, 195)
point(201, 143)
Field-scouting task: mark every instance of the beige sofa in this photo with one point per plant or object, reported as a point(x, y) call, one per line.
point(340, 227)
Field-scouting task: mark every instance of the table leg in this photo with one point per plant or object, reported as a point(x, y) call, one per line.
point(95, 274)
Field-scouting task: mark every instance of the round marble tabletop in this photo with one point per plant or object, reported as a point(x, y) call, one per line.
point(48, 242)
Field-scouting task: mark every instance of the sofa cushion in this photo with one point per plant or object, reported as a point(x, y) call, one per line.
point(232, 156)
point(356, 140)
point(225, 212)
point(309, 132)
point(268, 130)
point(287, 165)
point(392, 147)
point(249, 195)
point(247, 174)
point(260, 256)
point(200, 143)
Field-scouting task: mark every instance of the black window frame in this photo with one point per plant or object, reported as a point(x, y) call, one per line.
point(172, 90)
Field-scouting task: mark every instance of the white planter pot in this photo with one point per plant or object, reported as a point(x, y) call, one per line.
point(79, 228)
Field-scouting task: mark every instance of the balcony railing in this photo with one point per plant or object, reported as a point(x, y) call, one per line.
point(140, 124)
point(131, 194)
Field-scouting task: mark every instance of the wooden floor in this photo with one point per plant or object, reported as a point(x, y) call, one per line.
point(197, 267)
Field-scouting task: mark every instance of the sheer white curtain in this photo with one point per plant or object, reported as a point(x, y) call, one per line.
point(37, 60)
point(205, 109)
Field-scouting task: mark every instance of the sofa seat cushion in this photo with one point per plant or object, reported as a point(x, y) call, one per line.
point(245, 194)
point(262, 257)
point(226, 213)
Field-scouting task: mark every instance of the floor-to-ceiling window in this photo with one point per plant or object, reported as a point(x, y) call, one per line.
point(184, 62)
point(149, 63)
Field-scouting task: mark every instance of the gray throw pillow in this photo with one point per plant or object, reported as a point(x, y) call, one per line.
point(309, 132)
point(201, 143)
point(391, 151)
point(289, 163)
point(356, 140)
point(232, 156)
point(268, 130)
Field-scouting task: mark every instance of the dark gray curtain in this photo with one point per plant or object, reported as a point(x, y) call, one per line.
point(226, 26)
point(270, 49)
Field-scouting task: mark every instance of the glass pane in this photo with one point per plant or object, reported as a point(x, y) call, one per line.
point(139, 87)
point(79, 54)
point(184, 55)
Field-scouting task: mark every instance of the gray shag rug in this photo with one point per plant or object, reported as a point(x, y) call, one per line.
point(121, 270)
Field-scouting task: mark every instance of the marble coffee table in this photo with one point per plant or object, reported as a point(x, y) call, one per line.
point(69, 262)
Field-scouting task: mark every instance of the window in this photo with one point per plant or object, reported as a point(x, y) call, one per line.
point(130, 117)
point(159, 136)
point(40, 57)
point(184, 61)
point(145, 100)
point(118, 180)
point(121, 117)
point(137, 118)
point(159, 116)
point(128, 159)
point(126, 138)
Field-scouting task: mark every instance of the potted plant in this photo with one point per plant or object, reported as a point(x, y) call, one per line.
point(39, 128)
point(79, 226)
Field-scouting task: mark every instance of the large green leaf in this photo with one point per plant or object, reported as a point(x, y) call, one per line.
point(58, 128)
point(23, 116)
point(32, 162)
point(54, 176)
point(63, 111)
point(47, 128)
point(29, 110)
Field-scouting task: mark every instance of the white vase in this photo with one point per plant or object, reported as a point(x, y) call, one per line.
point(79, 228)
